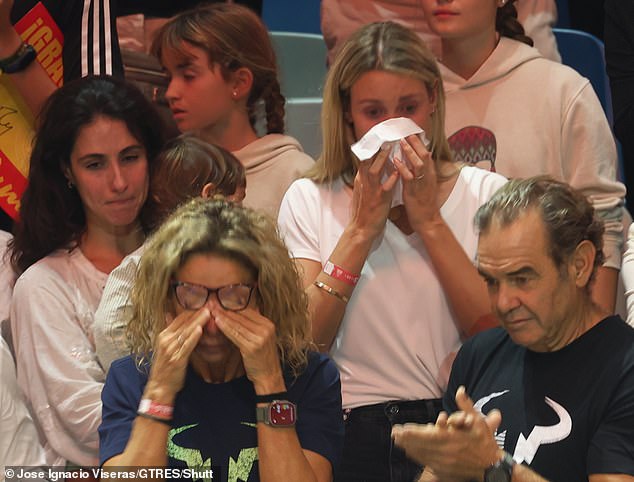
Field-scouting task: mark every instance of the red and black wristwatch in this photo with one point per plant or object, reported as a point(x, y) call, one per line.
point(278, 412)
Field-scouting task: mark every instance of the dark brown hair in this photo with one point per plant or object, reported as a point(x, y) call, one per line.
point(52, 215)
point(507, 24)
point(186, 165)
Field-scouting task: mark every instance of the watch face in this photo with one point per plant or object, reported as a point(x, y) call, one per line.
point(282, 413)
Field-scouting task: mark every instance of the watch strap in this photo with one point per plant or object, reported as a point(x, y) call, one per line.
point(262, 414)
point(269, 397)
point(502, 470)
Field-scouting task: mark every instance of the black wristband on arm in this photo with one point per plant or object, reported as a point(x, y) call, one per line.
point(20, 60)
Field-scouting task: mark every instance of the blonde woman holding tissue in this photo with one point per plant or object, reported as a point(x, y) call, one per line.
point(386, 245)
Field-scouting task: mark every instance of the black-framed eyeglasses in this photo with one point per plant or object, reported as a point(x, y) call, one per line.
point(231, 297)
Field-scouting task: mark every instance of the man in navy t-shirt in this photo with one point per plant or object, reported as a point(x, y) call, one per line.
point(551, 392)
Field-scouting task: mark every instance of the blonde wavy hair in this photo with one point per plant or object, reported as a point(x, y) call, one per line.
point(242, 235)
point(385, 46)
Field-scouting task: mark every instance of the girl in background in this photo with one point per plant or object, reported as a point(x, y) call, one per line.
point(497, 118)
point(223, 72)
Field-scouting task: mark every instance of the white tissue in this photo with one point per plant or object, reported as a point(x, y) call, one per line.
point(388, 133)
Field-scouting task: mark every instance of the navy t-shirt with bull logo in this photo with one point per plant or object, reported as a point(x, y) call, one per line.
point(567, 414)
point(214, 424)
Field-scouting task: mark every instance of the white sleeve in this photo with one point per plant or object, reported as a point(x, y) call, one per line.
point(19, 444)
point(57, 367)
point(297, 220)
point(538, 17)
point(627, 272)
point(7, 277)
point(114, 313)
point(589, 160)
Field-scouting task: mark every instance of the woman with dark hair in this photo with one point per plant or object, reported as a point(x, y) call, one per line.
point(498, 117)
point(222, 373)
point(81, 214)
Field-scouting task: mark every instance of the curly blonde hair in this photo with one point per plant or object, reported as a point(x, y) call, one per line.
point(243, 235)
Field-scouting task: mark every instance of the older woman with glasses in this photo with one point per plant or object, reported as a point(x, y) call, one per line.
point(222, 374)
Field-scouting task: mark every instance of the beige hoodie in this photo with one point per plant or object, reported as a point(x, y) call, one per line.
point(272, 163)
point(523, 115)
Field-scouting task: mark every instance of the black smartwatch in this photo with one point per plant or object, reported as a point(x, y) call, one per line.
point(501, 471)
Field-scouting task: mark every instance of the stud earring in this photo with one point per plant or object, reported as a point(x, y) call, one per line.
point(502, 3)
point(69, 183)
point(234, 94)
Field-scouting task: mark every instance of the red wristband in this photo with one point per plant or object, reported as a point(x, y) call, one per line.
point(337, 272)
point(154, 409)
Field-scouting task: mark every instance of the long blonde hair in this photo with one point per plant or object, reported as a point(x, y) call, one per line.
point(242, 235)
point(385, 46)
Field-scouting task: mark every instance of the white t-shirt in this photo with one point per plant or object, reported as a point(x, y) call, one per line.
point(19, 444)
point(52, 320)
point(7, 276)
point(398, 337)
point(115, 311)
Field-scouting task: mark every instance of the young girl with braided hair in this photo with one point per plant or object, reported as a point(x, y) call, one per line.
point(222, 70)
point(512, 111)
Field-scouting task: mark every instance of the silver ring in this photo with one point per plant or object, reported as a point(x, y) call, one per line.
point(418, 178)
point(180, 340)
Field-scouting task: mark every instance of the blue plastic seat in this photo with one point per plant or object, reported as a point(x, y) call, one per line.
point(292, 15)
point(585, 53)
point(302, 70)
point(302, 63)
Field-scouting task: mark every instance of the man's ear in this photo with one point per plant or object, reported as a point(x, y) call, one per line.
point(583, 262)
point(242, 81)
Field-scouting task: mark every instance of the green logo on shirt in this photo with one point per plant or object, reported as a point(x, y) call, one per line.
point(238, 470)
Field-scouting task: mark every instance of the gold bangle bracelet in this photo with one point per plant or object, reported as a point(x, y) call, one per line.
point(331, 291)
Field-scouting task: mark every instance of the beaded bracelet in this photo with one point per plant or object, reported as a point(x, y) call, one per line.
point(331, 291)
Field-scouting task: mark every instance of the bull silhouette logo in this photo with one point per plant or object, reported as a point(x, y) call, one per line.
point(527, 447)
